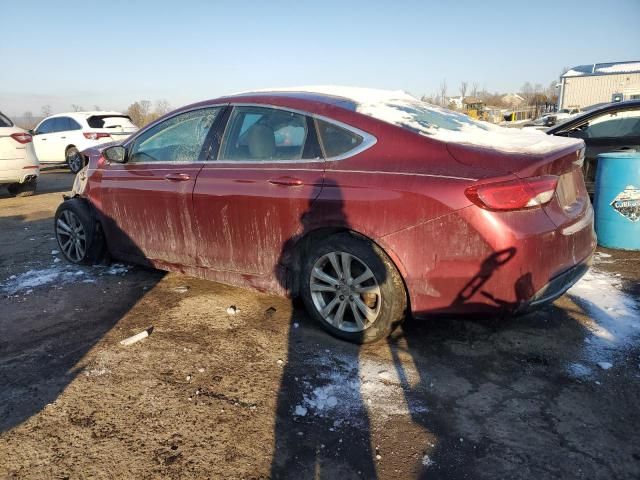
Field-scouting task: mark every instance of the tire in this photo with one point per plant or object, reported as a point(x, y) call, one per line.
point(75, 160)
point(380, 289)
point(78, 233)
point(25, 189)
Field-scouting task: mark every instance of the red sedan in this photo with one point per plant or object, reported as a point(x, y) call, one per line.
point(368, 204)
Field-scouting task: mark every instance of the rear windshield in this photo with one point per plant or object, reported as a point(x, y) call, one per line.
point(418, 116)
point(110, 121)
point(5, 122)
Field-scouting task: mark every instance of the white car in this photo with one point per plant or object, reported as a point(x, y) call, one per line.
point(61, 138)
point(19, 167)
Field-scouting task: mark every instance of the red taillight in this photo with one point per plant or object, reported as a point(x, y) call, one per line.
point(95, 135)
point(514, 194)
point(21, 137)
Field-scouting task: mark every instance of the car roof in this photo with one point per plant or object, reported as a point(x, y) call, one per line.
point(609, 107)
point(334, 95)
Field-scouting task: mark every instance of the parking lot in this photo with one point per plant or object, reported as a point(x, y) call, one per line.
point(235, 384)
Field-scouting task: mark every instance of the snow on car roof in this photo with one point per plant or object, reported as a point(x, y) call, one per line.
point(402, 109)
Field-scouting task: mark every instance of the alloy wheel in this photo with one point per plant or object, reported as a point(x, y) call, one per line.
point(345, 291)
point(71, 236)
point(75, 161)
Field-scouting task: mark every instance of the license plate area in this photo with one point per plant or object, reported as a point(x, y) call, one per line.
point(567, 190)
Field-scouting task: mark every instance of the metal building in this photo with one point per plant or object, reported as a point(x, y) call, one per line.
point(587, 85)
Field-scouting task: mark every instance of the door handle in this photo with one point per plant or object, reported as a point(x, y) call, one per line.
point(63, 137)
point(177, 177)
point(286, 181)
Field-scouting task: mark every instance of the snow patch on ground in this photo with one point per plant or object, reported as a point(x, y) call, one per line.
point(36, 278)
point(57, 274)
point(344, 390)
point(613, 319)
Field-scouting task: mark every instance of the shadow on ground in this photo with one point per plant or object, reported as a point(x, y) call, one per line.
point(45, 330)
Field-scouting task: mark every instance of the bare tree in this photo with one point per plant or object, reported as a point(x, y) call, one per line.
point(162, 107)
point(140, 112)
point(463, 89)
point(527, 92)
point(97, 107)
point(474, 89)
point(27, 122)
point(46, 110)
point(76, 108)
point(443, 93)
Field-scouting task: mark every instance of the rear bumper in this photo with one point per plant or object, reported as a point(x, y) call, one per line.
point(475, 261)
point(19, 175)
point(558, 285)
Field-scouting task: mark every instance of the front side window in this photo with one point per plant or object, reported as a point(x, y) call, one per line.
point(258, 133)
point(337, 140)
point(177, 139)
point(614, 125)
point(46, 127)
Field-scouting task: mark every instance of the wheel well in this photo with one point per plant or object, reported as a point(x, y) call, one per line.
point(67, 149)
point(293, 260)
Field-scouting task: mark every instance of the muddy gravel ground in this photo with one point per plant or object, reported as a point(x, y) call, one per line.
point(262, 392)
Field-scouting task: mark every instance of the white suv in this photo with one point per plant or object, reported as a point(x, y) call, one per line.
point(61, 138)
point(19, 168)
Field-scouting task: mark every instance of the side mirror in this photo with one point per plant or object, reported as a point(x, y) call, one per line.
point(116, 154)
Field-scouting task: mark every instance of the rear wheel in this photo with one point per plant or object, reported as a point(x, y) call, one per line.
point(25, 189)
point(74, 159)
point(353, 289)
point(77, 232)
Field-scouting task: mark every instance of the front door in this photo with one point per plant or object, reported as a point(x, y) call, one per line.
point(147, 201)
point(250, 201)
point(44, 141)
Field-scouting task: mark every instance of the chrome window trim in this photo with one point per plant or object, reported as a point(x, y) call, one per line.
point(368, 140)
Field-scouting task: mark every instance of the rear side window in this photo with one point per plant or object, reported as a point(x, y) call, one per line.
point(5, 122)
point(73, 125)
point(110, 121)
point(337, 141)
point(258, 133)
point(65, 124)
point(177, 139)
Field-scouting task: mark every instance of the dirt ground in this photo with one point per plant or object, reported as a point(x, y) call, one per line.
point(264, 393)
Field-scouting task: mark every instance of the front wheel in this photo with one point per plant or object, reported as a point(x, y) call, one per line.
point(74, 159)
point(79, 238)
point(353, 289)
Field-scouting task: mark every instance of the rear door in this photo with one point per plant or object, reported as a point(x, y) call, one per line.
point(250, 201)
point(147, 202)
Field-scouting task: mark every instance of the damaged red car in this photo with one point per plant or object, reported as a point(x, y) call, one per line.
point(370, 205)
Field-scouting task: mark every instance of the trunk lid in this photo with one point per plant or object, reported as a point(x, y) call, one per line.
point(570, 206)
point(9, 148)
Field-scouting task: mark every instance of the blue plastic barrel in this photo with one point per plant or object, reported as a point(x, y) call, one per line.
point(617, 200)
